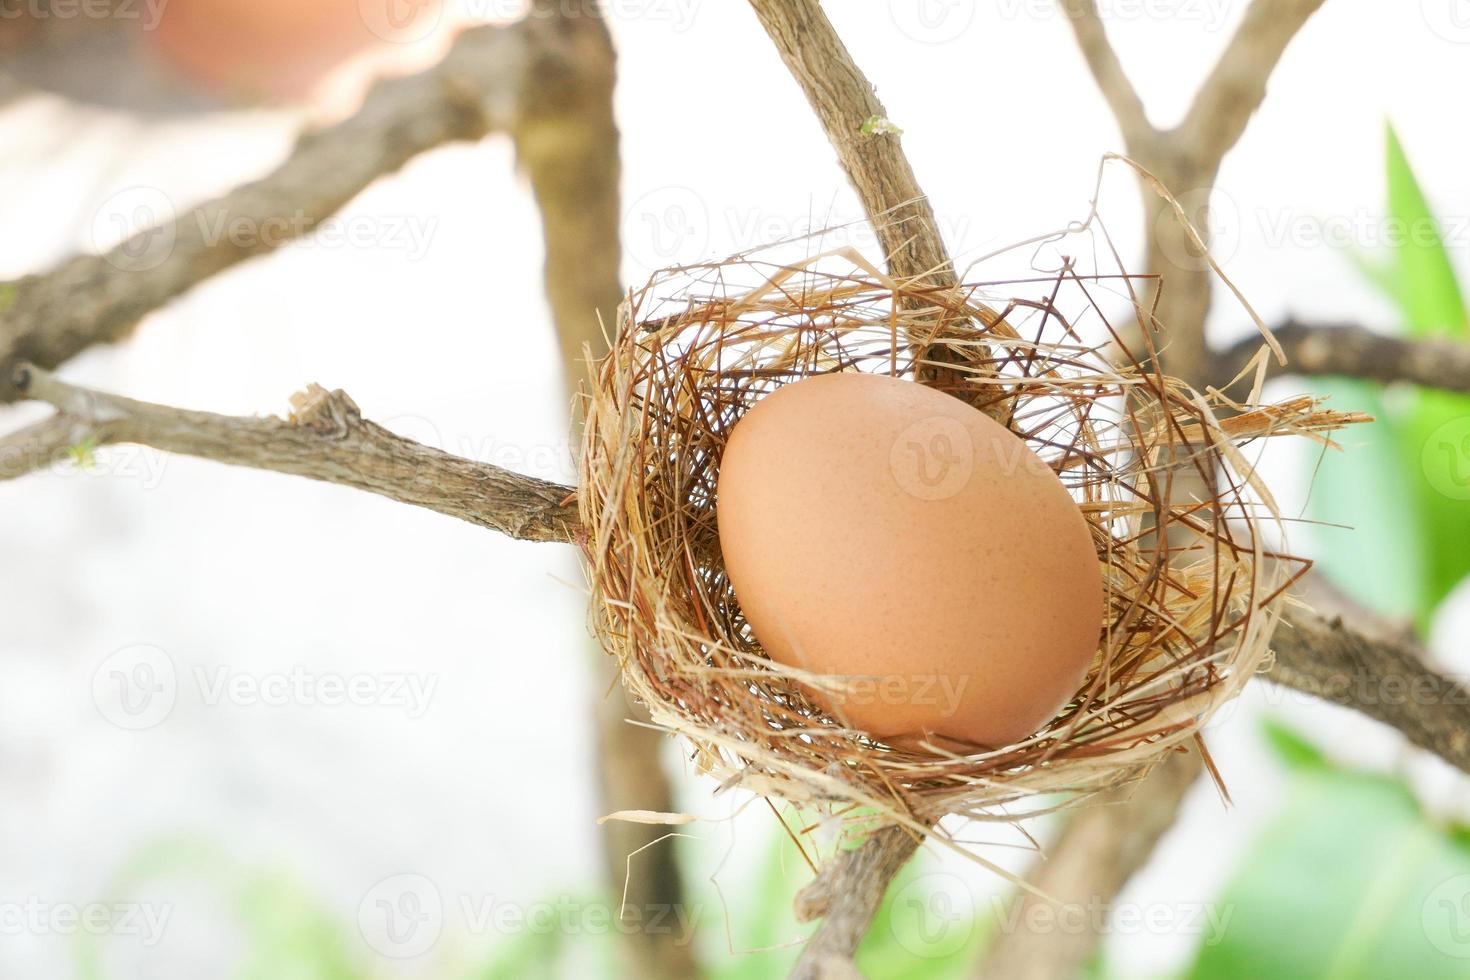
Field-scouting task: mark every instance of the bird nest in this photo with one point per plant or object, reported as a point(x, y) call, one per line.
point(1193, 580)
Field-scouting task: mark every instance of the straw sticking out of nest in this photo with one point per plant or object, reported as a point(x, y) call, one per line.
point(1193, 586)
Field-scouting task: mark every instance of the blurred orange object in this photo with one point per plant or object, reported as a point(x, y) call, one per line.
point(277, 50)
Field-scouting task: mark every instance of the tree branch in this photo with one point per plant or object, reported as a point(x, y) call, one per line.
point(1386, 675)
point(325, 439)
point(1353, 351)
point(92, 299)
point(847, 892)
point(1108, 72)
point(844, 101)
point(1236, 87)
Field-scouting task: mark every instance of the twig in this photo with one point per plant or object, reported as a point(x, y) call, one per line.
point(92, 299)
point(1101, 848)
point(847, 891)
point(1108, 71)
point(844, 101)
point(1236, 87)
point(326, 439)
point(1353, 351)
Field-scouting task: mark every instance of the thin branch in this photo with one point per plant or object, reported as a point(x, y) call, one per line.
point(94, 299)
point(847, 892)
point(1108, 72)
point(1100, 849)
point(325, 439)
point(845, 103)
point(1353, 351)
point(1236, 87)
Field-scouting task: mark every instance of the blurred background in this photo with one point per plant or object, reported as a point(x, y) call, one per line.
point(253, 820)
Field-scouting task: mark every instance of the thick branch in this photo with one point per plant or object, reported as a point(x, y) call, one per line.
point(1237, 85)
point(1099, 851)
point(92, 299)
point(1383, 674)
point(847, 891)
point(844, 101)
point(1108, 72)
point(1353, 351)
point(326, 439)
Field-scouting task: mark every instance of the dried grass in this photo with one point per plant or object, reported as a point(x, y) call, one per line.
point(1193, 586)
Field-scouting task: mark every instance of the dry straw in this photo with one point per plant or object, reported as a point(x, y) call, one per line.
point(1193, 586)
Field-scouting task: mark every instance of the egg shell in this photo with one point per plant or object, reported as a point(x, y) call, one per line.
point(885, 532)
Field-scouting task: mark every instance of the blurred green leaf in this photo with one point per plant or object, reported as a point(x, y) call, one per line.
point(1351, 881)
point(1423, 279)
point(1405, 485)
point(1293, 748)
point(1368, 537)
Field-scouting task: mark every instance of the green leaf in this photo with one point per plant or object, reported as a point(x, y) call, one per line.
point(1368, 539)
point(1292, 747)
point(1350, 882)
point(1409, 503)
point(1424, 284)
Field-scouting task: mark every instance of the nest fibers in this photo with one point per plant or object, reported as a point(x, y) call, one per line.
point(1192, 586)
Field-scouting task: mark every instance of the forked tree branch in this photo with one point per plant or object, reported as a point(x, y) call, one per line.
point(325, 439)
point(1236, 87)
point(1186, 159)
point(1107, 70)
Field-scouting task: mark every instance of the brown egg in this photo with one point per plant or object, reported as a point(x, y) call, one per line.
point(885, 532)
point(282, 49)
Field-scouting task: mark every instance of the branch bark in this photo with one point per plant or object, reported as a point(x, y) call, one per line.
point(326, 439)
point(846, 894)
point(844, 101)
point(1384, 674)
point(1353, 351)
